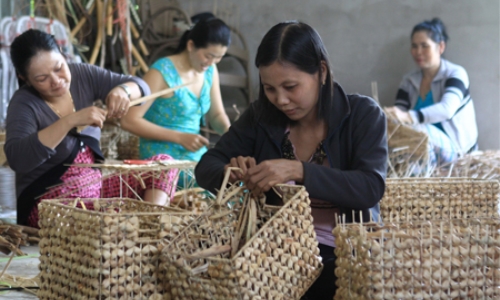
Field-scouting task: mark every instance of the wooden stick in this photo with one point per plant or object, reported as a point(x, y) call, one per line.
point(137, 36)
point(29, 230)
point(212, 251)
point(205, 129)
point(109, 19)
point(140, 60)
point(98, 39)
point(157, 94)
point(81, 22)
point(144, 99)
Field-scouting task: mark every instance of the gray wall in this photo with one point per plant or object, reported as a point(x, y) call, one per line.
point(368, 40)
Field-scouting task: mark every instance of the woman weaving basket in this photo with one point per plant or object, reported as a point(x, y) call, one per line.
point(54, 99)
point(305, 129)
point(171, 125)
point(435, 98)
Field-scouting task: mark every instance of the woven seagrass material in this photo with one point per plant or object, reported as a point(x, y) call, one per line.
point(408, 150)
point(243, 249)
point(110, 135)
point(452, 259)
point(110, 252)
point(128, 146)
point(480, 164)
point(414, 199)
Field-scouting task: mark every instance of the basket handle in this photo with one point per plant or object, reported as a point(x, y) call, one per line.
point(224, 182)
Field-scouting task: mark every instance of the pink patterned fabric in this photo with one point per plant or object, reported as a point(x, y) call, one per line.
point(80, 182)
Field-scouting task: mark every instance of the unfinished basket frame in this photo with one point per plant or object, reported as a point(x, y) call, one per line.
point(408, 151)
point(244, 249)
point(480, 164)
point(419, 199)
point(185, 197)
point(452, 259)
point(110, 252)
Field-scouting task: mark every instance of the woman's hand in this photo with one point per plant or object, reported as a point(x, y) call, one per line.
point(399, 115)
point(242, 162)
point(192, 142)
point(89, 116)
point(262, 177)
point(117, 102)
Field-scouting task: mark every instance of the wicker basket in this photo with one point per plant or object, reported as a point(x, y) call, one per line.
point(480, 164)
point(110, 135)
point(453, 259)
point(128, 146)
point(408, 150)
point(110, 252)
point(413, 199)
point(244, 249)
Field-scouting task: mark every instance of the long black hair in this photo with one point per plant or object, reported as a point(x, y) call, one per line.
point(435, 29)
point(298, 44)
point(206, 31)
point(27, 45)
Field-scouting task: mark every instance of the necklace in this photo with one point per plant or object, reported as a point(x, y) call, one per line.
point(56, 110)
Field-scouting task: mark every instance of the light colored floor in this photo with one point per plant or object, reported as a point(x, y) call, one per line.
point(26, 267)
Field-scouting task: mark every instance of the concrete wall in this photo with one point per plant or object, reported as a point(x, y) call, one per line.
point(368, 40)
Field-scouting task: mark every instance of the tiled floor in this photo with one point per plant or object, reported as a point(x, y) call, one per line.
point(26, 267)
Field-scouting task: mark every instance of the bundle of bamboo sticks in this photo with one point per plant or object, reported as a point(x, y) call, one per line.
point(13, 236)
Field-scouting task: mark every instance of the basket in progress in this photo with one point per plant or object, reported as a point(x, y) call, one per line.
point(414, 199)
point(143, 171)
point(244, 249)
point(479, 164)
point(408, 150)
point(439, 259)
point(109, 252)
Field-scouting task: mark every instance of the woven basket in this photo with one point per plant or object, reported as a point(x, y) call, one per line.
point(408, 150)
point(453, 259)
point(483, 164)
point(413, 199)
point(111, 252)
point(110, 135)
point(128, 146)
point(244, 249)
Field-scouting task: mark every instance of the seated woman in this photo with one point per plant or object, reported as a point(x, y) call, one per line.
point(435, 98)
point(53, 100)
point(305, 129)
point(171, 124)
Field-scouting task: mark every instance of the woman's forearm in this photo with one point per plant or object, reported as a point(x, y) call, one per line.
point(220, 123)
point(53, 135)
point(148, 130)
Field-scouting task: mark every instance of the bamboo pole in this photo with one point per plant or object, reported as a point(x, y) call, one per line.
point(80, 24)
point(98, 40)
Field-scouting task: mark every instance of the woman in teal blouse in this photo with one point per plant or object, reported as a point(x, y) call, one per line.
point(171, 124)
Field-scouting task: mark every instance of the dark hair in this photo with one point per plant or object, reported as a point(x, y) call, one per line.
point(298, 44)
point(435, 29)
point(27, 45)
point(208, 30)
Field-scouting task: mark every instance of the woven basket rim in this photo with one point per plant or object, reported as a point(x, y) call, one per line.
point(438, 180)
point(166, 209)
